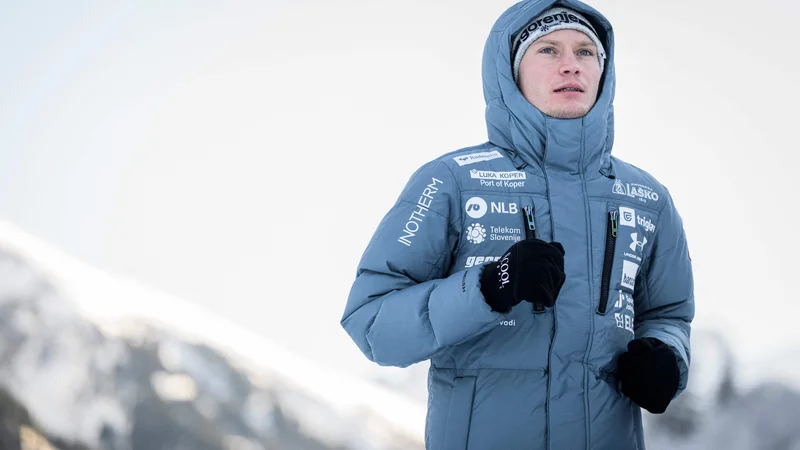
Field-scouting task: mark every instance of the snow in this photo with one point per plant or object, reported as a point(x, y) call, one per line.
point(89, 290)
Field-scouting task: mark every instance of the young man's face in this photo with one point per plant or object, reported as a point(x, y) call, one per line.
point(563, 58)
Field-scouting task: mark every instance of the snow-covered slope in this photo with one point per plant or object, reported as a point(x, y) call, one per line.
point(113, 364)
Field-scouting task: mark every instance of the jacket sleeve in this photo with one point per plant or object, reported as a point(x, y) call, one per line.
point(664, 293)
point(402, 308)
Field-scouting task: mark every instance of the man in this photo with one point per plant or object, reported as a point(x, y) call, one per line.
point(548, 282)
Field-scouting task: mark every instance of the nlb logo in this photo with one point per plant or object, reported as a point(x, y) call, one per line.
point(476, 207)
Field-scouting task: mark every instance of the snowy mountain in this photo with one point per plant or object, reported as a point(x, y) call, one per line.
point(94, 361)
point(91, 361)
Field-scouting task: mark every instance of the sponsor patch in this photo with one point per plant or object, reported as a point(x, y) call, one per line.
point(417, 217)
point(488, 178)
point(477, 233)
point(627, 216)
point(471, 158)
point(479, 260)
point(629, 271)
point(637, 191)
point(476, 207)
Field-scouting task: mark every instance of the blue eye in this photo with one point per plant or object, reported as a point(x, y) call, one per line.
point(586, 53)
point(546, 48)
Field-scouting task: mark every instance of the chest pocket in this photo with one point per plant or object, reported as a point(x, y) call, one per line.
point(629, 237)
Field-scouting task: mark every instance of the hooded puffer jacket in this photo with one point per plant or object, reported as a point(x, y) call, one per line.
point(532, 378)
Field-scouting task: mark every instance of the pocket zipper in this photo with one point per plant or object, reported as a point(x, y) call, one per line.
point(608, 260)
point(530, 233)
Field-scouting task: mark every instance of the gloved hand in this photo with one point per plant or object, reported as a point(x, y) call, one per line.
point(531, 270)
point(649, 374)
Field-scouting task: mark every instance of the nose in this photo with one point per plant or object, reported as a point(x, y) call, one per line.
point(569, 65)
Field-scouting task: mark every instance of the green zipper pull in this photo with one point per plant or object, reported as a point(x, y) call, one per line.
point(614, 223)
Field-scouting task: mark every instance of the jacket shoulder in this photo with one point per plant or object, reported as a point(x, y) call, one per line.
point(483, 156)
point(638, 182)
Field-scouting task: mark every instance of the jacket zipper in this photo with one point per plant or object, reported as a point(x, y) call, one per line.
point(530, 233)
point(608, 260)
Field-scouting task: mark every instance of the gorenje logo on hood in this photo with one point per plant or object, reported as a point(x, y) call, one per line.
point(544, 23)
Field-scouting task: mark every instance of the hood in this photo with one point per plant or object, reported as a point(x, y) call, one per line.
point(581, 145)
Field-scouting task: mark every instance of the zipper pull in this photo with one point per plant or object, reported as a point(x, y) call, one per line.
point(530, 221)
point(613, 223)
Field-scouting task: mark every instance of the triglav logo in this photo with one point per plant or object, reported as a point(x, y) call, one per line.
point(627, 216)
point(637, 244)
point(646, 223)
point(476, 233)
point(633, 190)
point(477, 157)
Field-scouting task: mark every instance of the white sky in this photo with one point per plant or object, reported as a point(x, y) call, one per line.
point(240, 154)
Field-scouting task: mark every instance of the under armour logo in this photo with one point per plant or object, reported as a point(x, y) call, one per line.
point(637, 244)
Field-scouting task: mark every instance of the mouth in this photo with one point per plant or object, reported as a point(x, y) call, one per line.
point(569, 89)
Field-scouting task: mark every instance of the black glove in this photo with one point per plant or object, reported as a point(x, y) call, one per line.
point(531, 270)
point(649, 374)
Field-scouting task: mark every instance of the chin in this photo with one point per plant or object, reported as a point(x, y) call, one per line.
point(567, 113)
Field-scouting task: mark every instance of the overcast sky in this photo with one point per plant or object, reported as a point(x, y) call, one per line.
point(240, 154)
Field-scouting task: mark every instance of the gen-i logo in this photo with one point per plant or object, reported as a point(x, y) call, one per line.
point(627, 216)
point(476, 207)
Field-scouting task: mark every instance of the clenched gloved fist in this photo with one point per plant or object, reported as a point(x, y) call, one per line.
point(531, 270)
point(649, 374)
